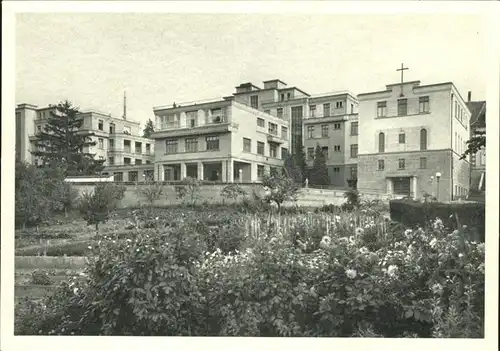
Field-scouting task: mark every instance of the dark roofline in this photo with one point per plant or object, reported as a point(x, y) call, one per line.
point(249, 84)
point(410, 82)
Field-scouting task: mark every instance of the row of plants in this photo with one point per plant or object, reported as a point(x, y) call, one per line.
point(326, 275)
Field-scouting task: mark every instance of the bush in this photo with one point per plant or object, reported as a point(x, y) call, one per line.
point(414, 213)
point(79, 249)
point(279, 188)
point(365, 277)
point(96, 206)
point(233, 191)
point(189, 191)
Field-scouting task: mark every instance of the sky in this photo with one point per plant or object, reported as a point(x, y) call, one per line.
point(158, 59)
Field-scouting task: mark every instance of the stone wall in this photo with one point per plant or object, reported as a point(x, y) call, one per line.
point(211, 193)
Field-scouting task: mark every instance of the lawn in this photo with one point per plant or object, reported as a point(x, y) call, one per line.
point(226, 271)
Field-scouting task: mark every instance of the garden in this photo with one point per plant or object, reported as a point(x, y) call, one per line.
point(248, 269)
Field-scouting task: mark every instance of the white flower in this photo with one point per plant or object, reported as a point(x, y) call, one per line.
point(437, 289)
point(408, 232)
point(363, 250)
point(89, 247)
point(460, 255)
point(350, 273)
point(325, 242)
point(433, 242)
point(337, 218)
point(392, 270)
point(75, 291)
point(359, 231)
point(129, 241)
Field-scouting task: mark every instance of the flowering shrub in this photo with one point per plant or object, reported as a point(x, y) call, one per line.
point(341, 275)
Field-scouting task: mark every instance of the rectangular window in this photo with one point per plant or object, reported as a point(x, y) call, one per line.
point(381, 165)
point(336, 126)
point(324, 149)
point(336, 148)
point(273, 150)
point(279, 112)
point(260, 171)
point(273, 128)
point(326, 110)
point(247, 145)
point(39, 128)
point(284, 133)
point(402, 138)
point(336, 169)
point(339, 104)
point(423, 162)
point(192, 145)
point(456, 109)
point(267, 111)
point(101, 125)
point(101, 143)
point(192, 119)
point(354, 150)
point(254, 101)
point(402, 107)
point(118, 176)
point(111, 160)
point(284, 153)
point(310, 132)
point(401, 163)
point(132, 176)
point(260, 148)
point(212, 143)
point(138, 161)
point(312, 110)
point(288, 95)
point(282, 97)
point(170, 146)
point(261, 123)
point(310, 153)
point(381, 108)
point(148, 149)
point(324, 130)
point(423, 104)
point(354, 128)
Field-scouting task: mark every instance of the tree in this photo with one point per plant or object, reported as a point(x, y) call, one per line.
point(475, 144)
point(151, 190)
point(319, 172)
point(292, 170)
point(300, 161)
point(96, 206)
point(62, 142)
point(148, 129)
point(189, 190)
point(232, 191)
point(279, 188)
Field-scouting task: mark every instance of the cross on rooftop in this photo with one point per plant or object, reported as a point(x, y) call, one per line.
point(402, 69)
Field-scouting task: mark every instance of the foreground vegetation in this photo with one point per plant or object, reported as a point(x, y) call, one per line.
point(193, 272)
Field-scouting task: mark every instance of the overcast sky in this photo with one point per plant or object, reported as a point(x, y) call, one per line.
point(91, 59)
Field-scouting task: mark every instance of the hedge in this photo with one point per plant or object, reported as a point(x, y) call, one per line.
point(414, 213)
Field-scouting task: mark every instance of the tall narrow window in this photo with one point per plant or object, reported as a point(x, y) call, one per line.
point(381, 109)
point(354, 128)
point(381, 142)
point(254, 101)
point(402, 138)
point(402, 107)
point(310, 132)
point(279, 112)
point(423, 139)
point(312, 110)
point(326, 110)
point(423, 104)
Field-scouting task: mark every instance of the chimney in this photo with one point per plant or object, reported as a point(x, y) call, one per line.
point(469, 96)
point(124, 105)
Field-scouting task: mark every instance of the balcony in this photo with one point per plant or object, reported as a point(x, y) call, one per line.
point(274, 138)
point(215, 124)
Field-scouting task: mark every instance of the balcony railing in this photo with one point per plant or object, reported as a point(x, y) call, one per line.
point(212, 120)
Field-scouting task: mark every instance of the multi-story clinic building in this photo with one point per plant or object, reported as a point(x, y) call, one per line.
point(332, 122)
point(411, 134)
point(223, 140)
point(127, 155)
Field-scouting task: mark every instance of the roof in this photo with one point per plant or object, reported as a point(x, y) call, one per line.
point(274, 80)
point(478, 112)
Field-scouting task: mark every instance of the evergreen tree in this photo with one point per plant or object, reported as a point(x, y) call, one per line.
point(61, 142)
point(474, 144)
point(291, 170)
point(148, 129)
point(300, 161)
point(319, 172)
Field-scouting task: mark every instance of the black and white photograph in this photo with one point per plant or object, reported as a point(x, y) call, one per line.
point(295, 173)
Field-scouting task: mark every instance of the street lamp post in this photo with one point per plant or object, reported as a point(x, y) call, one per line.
point(438, 176)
